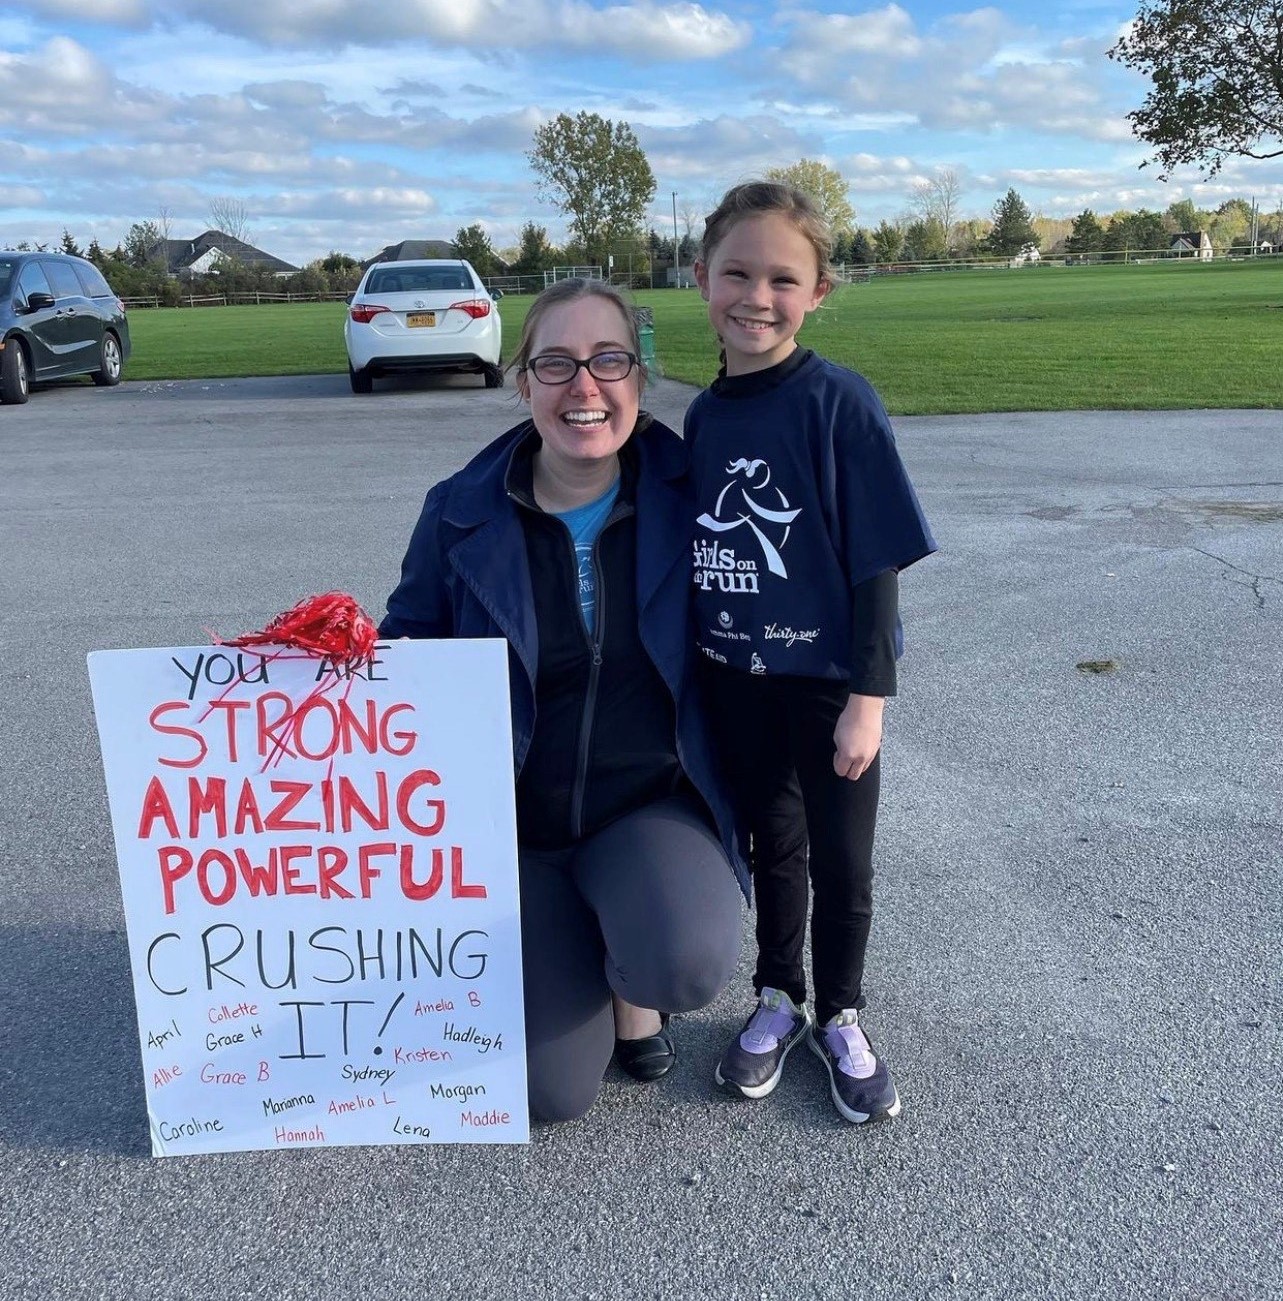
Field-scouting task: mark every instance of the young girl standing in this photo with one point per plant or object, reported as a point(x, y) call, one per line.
point(807, 518)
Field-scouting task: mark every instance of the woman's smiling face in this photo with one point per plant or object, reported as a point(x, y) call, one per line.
point(585, 420)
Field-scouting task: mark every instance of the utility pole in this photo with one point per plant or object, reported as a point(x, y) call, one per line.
point(677, 248)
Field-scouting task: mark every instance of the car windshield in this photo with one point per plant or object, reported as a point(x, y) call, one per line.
point(6, 277)
point(418, 280)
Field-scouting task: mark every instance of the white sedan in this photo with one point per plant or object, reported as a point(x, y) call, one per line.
point(422, 316)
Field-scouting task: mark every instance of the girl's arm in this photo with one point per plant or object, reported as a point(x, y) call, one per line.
point(874, 613)
point(858, 736)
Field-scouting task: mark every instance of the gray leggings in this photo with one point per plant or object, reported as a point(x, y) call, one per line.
point(647, 908)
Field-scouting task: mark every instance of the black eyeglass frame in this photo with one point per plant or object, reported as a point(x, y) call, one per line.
point(585, 364)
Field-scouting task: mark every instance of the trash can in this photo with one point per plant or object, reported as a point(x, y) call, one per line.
point(646, 332)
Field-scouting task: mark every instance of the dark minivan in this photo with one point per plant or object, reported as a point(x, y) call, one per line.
point(58, 317)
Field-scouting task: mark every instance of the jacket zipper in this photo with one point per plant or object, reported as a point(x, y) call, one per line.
point(578, 791)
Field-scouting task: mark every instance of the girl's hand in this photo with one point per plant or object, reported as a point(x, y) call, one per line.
point(858, 736)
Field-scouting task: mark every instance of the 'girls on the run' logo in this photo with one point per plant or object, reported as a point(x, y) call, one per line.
point(747, 500)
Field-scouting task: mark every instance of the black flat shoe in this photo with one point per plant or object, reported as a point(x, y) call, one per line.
point(649, 1058)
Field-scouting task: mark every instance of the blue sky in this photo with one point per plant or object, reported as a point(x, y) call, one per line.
point(348, 126)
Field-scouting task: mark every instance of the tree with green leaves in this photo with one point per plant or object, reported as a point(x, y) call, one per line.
point(1087, 236)
point(336, 263)
point(69, 244)
point(596, 173)
point(924, 241)
point(1232, 224)
point(1012, 229)
point(536, 253)
point(887, 242)
point(1183, 215)
point(144, 245)
point(861, 252)
point(1216, 80)
point(1142, 231)
point(472, 244)
point(825, 185)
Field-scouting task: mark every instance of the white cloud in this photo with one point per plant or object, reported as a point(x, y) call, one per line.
point(723, 150)
point(121, 13)
point(21, 196)
point(640, 32)
point(969, 72)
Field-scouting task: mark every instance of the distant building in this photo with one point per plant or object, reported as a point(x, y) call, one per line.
point(186, 258)
point(412, 250)
point(1191, 243)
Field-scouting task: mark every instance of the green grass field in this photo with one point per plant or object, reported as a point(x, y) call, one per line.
point(1163, 335)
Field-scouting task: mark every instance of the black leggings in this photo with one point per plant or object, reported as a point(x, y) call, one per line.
point(775, 738)
point(647, 908)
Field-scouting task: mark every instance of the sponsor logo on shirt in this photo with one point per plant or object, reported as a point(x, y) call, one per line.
point(773, 632)
point(746, 502)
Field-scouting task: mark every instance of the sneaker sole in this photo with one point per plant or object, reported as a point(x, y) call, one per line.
point(855, 1117)
point(756, 1091)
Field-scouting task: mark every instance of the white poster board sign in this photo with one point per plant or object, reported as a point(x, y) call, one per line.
point(318, 862)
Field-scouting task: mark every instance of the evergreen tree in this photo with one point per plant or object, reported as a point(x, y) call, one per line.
point(861, 252)
point(473, 245)
point(1013, 227)
point(1088, 235)
point(536, 253)
point(1141, 231)
point(924, 241)
point(887, 242)
point(69, 244)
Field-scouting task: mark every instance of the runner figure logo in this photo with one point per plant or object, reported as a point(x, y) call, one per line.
point(746, 501)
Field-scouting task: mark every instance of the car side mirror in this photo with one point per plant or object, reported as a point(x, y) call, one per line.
point(38, 301)
point(496, 294)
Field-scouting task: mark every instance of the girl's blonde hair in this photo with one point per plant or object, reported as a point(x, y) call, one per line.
point(567, 291)
point(753, 198)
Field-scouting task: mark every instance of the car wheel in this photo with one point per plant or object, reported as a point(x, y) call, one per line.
point(15, 385)
point(112, 365)
point(362, 381)
point(494, 376)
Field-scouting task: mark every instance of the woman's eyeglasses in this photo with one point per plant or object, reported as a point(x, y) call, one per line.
point(554, 368)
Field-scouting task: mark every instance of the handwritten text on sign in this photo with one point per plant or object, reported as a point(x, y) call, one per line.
point(318, 862)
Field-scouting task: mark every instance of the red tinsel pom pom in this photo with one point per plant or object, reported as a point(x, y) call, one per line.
point(330, 624)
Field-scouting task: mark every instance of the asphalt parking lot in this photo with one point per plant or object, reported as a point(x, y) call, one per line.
point(1075, 968)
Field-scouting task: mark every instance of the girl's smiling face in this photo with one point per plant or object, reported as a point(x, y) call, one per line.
point(586, 420)
point(760, 283)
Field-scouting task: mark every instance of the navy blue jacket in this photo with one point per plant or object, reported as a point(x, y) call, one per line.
point(466, 574)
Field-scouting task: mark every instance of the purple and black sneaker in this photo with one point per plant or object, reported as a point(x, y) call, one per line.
point(754, 1061)
point(861, 1085)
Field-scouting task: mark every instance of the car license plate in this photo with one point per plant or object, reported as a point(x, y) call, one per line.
point(416, 320)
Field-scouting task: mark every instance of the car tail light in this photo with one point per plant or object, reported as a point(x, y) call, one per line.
point(475, 307)
point(364, 313)
point(120, 306)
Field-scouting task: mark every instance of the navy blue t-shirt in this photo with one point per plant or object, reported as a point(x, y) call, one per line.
point(802, 497)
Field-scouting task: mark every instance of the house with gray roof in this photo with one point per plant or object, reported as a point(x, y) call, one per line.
point(186, 258)
point(1191, 243)
point(412, 250)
